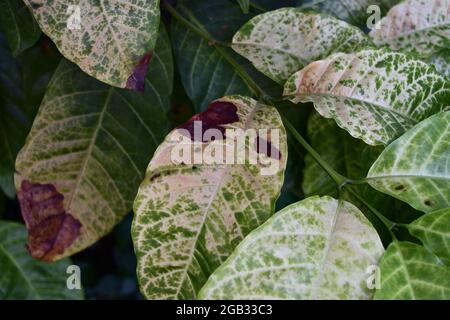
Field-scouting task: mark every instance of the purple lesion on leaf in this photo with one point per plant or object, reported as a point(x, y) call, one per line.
point(51, 230)
point(219, 113)
point(137, 79)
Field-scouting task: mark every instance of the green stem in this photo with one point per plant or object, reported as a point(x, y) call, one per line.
point(339, 179)
point(202, 32)
point(257, 7)
point(388, 223)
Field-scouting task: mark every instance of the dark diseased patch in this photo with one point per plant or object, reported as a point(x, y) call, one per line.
point(218, 114)
point(429, 203)
point(399, 187)
point(50, 228)
point(137, 79)
point(265, 147)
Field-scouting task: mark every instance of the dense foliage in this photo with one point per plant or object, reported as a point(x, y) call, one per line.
point(344, 189)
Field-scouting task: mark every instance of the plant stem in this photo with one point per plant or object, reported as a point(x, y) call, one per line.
point(388, 223)
point(202, 32)
point(339, 179)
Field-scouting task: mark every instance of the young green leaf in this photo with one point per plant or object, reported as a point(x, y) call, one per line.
point(86, 155)
point(318, 248)
point(23, 81)
point(417, 26)
point(376, 95)
point(22, 277)
point(434, 232)
point(190, 215)
point(110, 40)
point(284, 41)
point(416, 167)
point(356, 12)
point(18, 25)
point(410, 272)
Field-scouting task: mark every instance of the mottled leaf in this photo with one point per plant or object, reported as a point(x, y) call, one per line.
point(318, 248)
point(111, 40)
point(418, 26)
point(189, 217)
point(283, 41)
point(23, 81)
point(410, 272)
point(376, 95)
point(416, 167)
point(353, 11)
point(23, 277)
point(86, 155)
point(433, 229)
point(18, 25)
point(208, 70)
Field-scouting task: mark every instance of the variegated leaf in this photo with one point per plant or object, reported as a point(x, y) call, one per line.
point(111, 40)
point(418, 26)
point(410, 272)
point(357, 12)
point(318, 248)
point(86, 155)
point(416, 167)
point(22, 277)
point(375, 94)
point(283, 41)
point(433, 229)
point(190, 216)
point(18, 25)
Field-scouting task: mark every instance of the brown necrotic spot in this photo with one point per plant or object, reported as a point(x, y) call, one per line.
point(137, 80)
point(50, 228)
point(399, 187)
point(218, 114)
point(429, 203)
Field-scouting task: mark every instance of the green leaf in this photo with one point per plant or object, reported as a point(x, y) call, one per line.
point(433, 230)
point(23, 81)
point(408, 271)
point(18, 25)
point(420, 27)
point(284, 41)
point(22, 277)
point(416, 167)
point(88, 149)
point(318, 248)
point(245, 5)
point(353, 11)
point(209, 71)
point(109, 40)
point(189, 217)
point(376, 95)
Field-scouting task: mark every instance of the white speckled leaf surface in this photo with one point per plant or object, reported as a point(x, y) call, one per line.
point(283, 41)
point(416, 167)
point(112, 38)
point(189, 218)
point(417, 26)
point(318, 248)
point(374, 94)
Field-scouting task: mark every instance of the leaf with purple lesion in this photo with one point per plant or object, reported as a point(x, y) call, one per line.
point(106, 39)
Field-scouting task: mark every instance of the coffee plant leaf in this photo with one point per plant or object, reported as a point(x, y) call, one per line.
point(410, 272)
point(374, 94)
point(26, 278)
point(416, 167)
point(86, 155)
point(284, 41)
point(190, 215)
point(318, 248)
point(112, 41)
point(432, 229)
